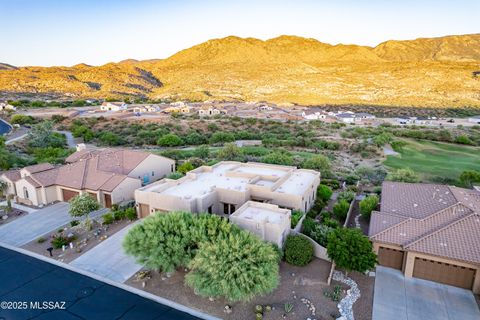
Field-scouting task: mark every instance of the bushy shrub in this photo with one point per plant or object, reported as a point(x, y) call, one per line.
point(324, 192)
point(296, 216)
point(175, 175)
point(332, 223)
point(346, 195)
point(351, 250)
point(320, 233)
point(403, 175)
point(119, 214)
point(308, 225)
point(59, 241)
point(340, 209)
point(222, 269)
point(367, 205)
point(131, 214)
point(107, 218)
point(298, 250)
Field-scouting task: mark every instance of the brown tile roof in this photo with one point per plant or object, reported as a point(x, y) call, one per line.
point(415, 200)
point(95, 169)
point(38, 167)
point(12, 175)
point(417, 216)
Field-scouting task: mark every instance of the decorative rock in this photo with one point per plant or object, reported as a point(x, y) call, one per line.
point(211, 299)
point(5, 217)
point(346, 304)
point(227, 309)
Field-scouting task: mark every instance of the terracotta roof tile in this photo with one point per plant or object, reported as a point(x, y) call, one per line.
point(438, 220)
point(38, 167)
point(12, 175)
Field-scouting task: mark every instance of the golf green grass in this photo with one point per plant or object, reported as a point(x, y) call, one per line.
point(434, 159)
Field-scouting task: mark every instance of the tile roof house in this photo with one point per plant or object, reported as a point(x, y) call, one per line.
point(429, 231)
point(113, 106)
point(110, 175)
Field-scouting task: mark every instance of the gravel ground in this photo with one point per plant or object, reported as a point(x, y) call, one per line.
point(296, 283)
point(14, 214)
point(362, 309)
point(364, 224)
point(84, 240)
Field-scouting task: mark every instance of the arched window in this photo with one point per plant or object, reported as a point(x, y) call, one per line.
point(25, 192)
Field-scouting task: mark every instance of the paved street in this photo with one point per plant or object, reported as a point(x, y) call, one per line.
point(36, 224)
point(108, 260)
point(26, 279)
point(400, 298)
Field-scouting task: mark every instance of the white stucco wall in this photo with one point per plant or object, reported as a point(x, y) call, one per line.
point(160, 166)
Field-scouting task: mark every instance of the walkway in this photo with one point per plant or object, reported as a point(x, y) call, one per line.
point(108, 260)
point(399, 298)
point(28, 280)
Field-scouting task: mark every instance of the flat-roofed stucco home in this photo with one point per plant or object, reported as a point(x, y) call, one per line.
point(429, 231)
point(109, 175)
point(227, 185)
point(267, 221)
point(113, 106)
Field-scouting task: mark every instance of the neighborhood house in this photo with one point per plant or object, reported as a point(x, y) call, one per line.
point(109, 175)
point(226, 186)
point(113, 106)
point(429, 231)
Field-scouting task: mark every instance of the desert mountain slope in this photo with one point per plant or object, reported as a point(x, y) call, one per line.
point(422, 72)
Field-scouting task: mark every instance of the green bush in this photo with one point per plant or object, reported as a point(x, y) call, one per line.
point(131, 214)
point(332, 223)
point(324, 192)
point(346, 195)
point(175, 175)
point(170, 140)
point(107, 218)
point(367, 205)
point(296, 216)
point(59, 241)
point(118, 214)
point(320, 233)
point(220, 268)
point(298, 250)
point(340, 209)
point(351, 250)
point(41, 240)
point(308, 225)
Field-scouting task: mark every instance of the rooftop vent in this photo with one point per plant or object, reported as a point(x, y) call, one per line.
point(415, 205)
point(443, 244)
point(403, 234)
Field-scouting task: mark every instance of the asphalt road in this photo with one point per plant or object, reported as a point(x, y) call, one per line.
point(27, 283)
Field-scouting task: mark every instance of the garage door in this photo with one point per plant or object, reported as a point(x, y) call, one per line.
point(444, 273)
point(68, 194)
point(144, 210)
point(390, 258)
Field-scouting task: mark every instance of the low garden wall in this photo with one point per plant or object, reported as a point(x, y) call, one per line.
point(318, 250)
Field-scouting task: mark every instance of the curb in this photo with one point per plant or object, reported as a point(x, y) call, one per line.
point(122, 286)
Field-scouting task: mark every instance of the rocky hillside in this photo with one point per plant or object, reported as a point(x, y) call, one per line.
point(422, 72)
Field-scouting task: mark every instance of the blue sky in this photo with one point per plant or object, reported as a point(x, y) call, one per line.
point(67, 32)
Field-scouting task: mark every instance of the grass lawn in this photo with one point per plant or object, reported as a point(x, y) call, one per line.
point(435, 159)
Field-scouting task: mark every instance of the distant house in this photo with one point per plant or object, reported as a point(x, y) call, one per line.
point(346, 117)
point(265, 107)
point(113, 106)
point(183, 109)
point(140, 109)
point(153, 108)
point(7, 106)
point(314, 114)
point(364, 116)
point(109, 175)
point(210, 111)
point(403, 120)
point(474, 119)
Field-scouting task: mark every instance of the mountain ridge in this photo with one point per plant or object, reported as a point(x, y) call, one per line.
point(420, 72)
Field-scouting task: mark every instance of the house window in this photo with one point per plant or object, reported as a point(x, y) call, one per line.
point(225, 208)
point(210, 209)
point(171, 168)
point(153, 173)
point(25, 192)
point(305, 206)
point(228, 208)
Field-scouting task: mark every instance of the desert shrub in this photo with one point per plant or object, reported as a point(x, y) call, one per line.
point(367, 205)
point(41, 240)
point(237, 267)
point(170, 140)
point(403, 175)
point(340, 209)
point(308, 225)
point(320, 233)
point(131, 214)
point(351, 250)
point(332, 223)
point(318, 162)
point(332, 183)
point(296, 216)
point(107, 218)
point(118, 214)
point(324, 192)
point(298, 250)
point(175, 175)
point(346, 195)
point(59, 241)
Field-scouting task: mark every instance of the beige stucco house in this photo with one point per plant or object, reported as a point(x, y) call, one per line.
point(429, 231)
point(267, 221)
point(113, 106)
point(227, 185)
point(109, 175)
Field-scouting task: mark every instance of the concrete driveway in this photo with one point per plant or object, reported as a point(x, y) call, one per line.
point(38, 223)
point(400, 298)
point(108, 260)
